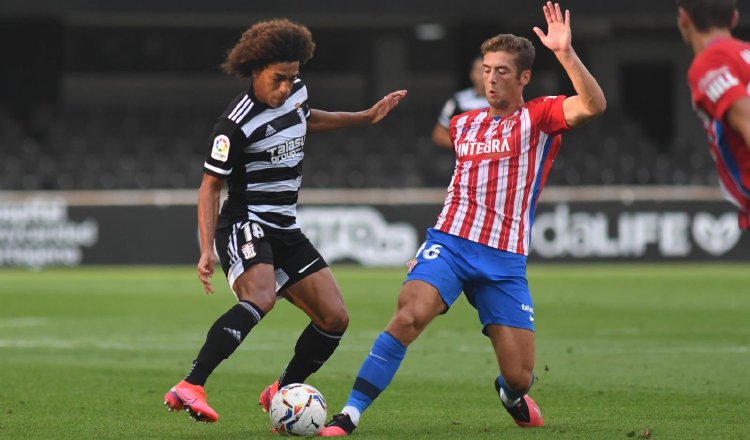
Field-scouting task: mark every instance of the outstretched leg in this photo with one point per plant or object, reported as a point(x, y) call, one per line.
point(418, 304)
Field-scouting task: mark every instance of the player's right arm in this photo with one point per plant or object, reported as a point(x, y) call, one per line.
point(738, 117)
point(589, 102)
point(208, 213)
point(226, 146)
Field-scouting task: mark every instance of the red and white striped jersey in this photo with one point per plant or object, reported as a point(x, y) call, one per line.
point(718, 77)
point(501, 167)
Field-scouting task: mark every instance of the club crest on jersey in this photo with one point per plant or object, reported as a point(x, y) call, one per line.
point(410, 265)
point(220, 150)
point(248, 250)
point(507, 125)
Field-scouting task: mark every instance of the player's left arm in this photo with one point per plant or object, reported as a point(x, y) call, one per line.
point(324, 121)
point(589, 101)
point(738, 117)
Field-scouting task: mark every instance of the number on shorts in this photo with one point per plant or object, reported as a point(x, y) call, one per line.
point(252, 230)
point(430, 253)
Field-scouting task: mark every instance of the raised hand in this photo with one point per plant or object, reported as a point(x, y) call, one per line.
point(385, 105)
point(558, 37)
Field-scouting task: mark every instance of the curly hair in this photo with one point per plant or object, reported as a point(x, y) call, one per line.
point(267, 42)
point(521, 47)
point(707, 14)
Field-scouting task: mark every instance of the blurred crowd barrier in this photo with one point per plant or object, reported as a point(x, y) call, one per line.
point(371, 227)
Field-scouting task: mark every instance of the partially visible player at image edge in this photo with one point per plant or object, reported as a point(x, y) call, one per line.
point(257, 149)
point(464, 100)
point(481, 239)
point(719, 80)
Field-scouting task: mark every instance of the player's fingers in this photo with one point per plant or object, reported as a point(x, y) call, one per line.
point(546, 10)
point(558, 13)
point(567, 17)
point(538, 33)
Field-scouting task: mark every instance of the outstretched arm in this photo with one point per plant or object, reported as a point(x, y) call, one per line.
point(589, 101)
point(323, 121)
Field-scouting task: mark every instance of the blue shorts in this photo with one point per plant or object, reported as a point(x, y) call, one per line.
point(493, 281)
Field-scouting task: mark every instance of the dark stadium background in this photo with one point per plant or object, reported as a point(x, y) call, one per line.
point(121, 96)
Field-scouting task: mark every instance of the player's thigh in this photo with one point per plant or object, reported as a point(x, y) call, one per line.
point(257, 284)
point(295, 258)
point(439, 264)
point(504, 302)
point(247, 261)
point(319, 297)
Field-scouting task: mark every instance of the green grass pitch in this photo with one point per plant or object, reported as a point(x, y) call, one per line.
point(626, 351)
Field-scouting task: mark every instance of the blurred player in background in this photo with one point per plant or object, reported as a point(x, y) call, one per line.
point(481, 239)
point(719, 80)
point(257, 149)
point(462, 101)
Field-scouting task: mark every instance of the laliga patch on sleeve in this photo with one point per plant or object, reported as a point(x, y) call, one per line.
point(220, 151)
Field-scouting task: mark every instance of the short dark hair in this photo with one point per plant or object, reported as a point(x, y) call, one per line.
point(708, 14)
point(268, 42)
point(521, 47)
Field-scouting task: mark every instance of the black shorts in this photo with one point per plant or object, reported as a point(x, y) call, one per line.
point(244, 243)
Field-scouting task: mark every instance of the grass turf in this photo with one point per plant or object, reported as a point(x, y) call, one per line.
point(627, 351)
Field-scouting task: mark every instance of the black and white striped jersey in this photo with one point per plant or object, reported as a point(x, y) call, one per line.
point(259, 150)
point(461, 102)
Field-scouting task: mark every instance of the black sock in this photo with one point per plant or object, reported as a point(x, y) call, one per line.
point(313, 349)
point(224, 336)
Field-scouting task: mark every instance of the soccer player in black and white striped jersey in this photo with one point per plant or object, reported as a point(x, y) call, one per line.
point(461, 101)
point(257, 148)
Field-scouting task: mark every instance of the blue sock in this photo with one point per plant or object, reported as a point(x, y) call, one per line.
point(376, 372)
point(509, 396)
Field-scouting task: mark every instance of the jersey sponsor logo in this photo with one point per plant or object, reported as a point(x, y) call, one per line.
point(494, 149)
point(286, 151)
point(220, 150)
point(248, 251)
point(716, 82)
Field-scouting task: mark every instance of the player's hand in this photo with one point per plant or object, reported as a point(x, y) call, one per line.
point(558, 38)
point(206, 270)
point(384, 106)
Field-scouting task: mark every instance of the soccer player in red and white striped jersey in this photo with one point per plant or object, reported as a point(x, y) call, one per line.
point(480, 242)
point(719, 80)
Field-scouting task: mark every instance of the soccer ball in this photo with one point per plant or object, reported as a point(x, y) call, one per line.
point(298, 409)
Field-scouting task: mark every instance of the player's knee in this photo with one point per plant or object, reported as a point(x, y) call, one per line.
point(405, 326)
point(335, 322)
point(265, 299)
